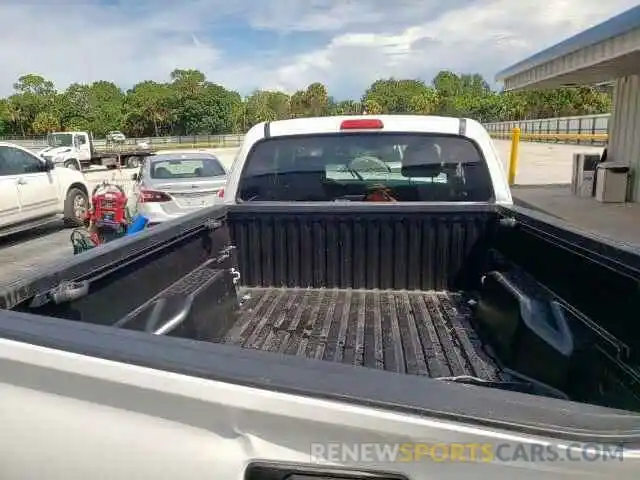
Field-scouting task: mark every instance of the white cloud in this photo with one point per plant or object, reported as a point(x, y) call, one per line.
point(482, 36)
point(84, 43)
point(363, 39)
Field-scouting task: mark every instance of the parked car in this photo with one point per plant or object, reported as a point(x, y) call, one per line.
point(169, 185)
point(116, 137)
point(34, 191)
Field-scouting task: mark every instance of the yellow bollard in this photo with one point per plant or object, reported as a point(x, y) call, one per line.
point(513, 159)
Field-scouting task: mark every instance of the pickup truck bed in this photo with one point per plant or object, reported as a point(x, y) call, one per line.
point(420, 333)
point(471, 291)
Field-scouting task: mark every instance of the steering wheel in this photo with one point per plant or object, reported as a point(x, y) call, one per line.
point(368, 163)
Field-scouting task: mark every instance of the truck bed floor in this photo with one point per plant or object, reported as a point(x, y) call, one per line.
point(421, 333)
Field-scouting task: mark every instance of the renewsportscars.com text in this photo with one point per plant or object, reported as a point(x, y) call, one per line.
point(461, 452)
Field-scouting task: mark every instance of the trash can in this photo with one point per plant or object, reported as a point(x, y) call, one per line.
point(584, 172)
point(612, 181)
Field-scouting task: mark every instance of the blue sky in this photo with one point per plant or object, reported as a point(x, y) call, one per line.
point(281, 44)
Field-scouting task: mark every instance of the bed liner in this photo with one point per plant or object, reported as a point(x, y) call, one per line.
point(415, 332)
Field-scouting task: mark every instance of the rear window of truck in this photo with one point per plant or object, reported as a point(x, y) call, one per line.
point(366, 167)
point(186, 168)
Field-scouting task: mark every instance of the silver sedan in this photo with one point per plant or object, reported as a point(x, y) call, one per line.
point(172, 184)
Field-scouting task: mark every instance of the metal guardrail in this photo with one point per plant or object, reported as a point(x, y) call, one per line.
point(213, 141)
point(587, 129)
point(583, 130)
point(579, 139)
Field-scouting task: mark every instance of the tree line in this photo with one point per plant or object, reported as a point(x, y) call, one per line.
point(189, 104)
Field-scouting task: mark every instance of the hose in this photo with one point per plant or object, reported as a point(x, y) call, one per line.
point(81, 241)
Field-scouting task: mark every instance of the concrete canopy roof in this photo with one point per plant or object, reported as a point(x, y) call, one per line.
point(600, 54)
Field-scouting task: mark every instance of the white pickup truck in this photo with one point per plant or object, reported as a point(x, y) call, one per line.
point(368, 304)
point(33, 191)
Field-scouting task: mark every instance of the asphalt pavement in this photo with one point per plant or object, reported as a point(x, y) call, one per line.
point(22, 254)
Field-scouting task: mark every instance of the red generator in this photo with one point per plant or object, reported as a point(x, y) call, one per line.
point(108, 217)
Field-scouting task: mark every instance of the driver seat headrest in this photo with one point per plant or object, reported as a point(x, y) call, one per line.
point(427, 152)
point(422, 160)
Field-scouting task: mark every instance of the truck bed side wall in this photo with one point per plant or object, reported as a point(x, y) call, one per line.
point(125, 274)
point(598, 278)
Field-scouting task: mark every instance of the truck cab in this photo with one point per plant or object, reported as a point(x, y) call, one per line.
point(68, 149)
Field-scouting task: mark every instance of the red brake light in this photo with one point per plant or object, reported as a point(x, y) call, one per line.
point(153, 196)
point(221, 193)
point(362, 124)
